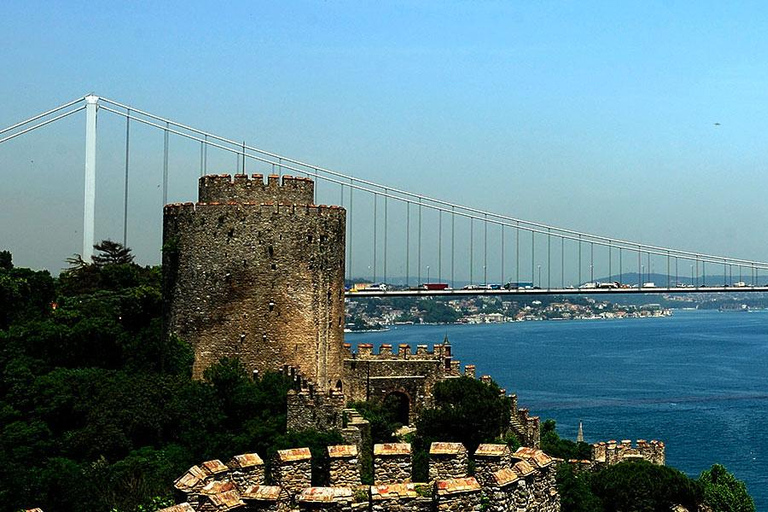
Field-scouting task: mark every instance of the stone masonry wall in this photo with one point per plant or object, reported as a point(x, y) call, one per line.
point(458, 495)
point(257, 271)
point(310, 410)
point(373, 376)
point(525, 482)
point(292, 469)
point(611, 453)
point(392, 463)
point(447, 461)
point(244, 189)
point(344, 466)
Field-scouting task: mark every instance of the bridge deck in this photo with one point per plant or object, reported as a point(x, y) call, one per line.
point(555, 291)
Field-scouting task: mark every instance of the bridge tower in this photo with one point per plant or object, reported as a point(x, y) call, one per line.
point(255, 270)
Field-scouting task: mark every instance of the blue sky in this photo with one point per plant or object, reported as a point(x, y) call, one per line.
point(598, 116)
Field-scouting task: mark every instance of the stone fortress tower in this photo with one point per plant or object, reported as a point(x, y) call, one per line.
point(256, 270)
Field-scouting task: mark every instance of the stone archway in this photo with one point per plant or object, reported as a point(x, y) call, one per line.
point(400, 404)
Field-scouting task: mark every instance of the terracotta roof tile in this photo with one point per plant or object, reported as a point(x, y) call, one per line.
point(246, 460)
point(505, 476)
point(342, 451)
point(457, 485)
point(191, 480)
point(181, 507)
point(229, 500)
point(294, 454)
point(537, 457)
point(262, 493)
point(522, 468)
point(213, 467)
point(446, 449)
point(323, 494)
point(217, 486)
point(392, 449)
point(492, 450)
point(392, 491)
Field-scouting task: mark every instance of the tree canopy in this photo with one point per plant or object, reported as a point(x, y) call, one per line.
point(723, 492)
point(98, 411)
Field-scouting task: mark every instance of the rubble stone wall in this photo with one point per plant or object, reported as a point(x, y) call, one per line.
point(612, 452)
point(256, 271)
point(526, 485)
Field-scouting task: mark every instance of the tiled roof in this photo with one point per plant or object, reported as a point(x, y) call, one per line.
point(383, 492)
point(457, 485)
point(323, 494)
point(342, 451)
point(247, 460)
point(182, 507)
point(229, 500)
point(217, 486)
point(262, 493)
point(537, 457)
point(191, 480)
point(392, 449)
point(491, 450)
point(522, 468)
point(213, 467)
point(505, 476)
point(446, 449)
point(294, 454)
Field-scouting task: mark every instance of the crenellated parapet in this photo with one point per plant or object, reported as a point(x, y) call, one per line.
point(524, 481)
point(404, 351)
point(241, 188)
point(527, 428)
point(255, 270)
point(399, 370)
point(612, 452)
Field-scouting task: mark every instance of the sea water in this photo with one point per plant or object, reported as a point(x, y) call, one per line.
point(697, 380)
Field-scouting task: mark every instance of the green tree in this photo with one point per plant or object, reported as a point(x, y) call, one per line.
point(466, 410)
point(6, 260)
point(554, 445)
point(639, 486)
point(575, 492)
point(111, 253)
point(723, 492)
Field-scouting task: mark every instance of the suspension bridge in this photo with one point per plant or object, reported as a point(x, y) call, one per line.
point(413, 244)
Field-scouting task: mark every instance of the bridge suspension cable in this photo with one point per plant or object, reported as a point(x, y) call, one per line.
point(320, 173)
point(387, 193)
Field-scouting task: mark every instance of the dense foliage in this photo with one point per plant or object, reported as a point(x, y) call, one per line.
point(465, 410)
point(640, 486)
point(723, 493)
point(554, 445)
point(98, 411)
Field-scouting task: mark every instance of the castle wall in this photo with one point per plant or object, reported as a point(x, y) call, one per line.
point(392, 463)
point(527, 485)
point(256, 271)
point(373, 376)
point(611, 453)
point(447, 460)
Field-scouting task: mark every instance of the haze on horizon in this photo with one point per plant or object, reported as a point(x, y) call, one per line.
point(644, 120)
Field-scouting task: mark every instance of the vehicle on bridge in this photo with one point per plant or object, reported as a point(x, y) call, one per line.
point(359, 287)
point(434, 286)
point(477, 287)
point(518, 286)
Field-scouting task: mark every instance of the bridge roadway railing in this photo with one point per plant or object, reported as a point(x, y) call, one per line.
point(555, 291)
point(541, 255)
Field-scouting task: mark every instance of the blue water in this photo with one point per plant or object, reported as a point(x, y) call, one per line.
point(697, 381)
